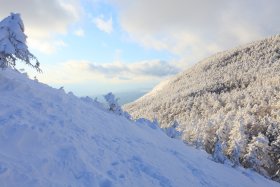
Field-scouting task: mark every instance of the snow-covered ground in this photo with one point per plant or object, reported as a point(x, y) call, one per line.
point(50, 138)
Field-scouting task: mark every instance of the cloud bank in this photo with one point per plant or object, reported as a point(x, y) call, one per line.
point(79, 71)
point(197, 28)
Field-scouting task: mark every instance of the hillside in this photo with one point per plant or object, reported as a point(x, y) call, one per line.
point(228, 103)
point(50, 138)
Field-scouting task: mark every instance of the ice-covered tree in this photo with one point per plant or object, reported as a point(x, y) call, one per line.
point(13, 43)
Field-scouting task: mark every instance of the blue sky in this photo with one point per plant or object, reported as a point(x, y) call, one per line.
point(92, 47)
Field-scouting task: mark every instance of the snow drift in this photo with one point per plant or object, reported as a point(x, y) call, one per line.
point(50, 138)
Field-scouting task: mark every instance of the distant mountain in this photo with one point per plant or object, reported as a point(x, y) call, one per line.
point(228, 104)
point(127, 97)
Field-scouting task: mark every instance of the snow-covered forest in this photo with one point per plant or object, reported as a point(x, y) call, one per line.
point(228, 104)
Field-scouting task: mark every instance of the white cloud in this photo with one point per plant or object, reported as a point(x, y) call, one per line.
point(197, 27)
point(79, 32)
point(47, 46)
point(104, 25)
point(44, 19)
point(80, 71)
point(67, 73)
point(152, 68)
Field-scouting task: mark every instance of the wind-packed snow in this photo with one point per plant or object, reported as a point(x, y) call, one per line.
point(50, 138)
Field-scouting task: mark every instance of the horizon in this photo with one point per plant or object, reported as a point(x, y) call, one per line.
point(95, 47)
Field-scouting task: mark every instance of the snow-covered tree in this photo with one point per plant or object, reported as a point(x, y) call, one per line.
point(13, 43)
point(209, 138)
point(237, 142)
point(218, 154)
point(114, 105)
point(275, 149)
point(257, 156)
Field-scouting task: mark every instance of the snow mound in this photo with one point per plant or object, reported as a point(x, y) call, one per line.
point(50, 138)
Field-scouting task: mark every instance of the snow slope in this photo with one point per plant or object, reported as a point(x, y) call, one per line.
point(50, 138)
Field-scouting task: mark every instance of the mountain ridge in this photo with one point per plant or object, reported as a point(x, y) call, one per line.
point(235, 89)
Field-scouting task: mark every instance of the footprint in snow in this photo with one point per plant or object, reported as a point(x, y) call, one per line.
point(3, 169)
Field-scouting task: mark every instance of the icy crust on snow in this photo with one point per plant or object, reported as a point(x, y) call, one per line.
point(50, 138)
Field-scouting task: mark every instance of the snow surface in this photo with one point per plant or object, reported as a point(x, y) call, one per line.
point(50, 138)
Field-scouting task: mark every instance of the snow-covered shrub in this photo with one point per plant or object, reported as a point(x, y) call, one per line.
point(94, 102)
point(114, 105)
point(172, 131)
point(152, 124)
point(13, 43)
